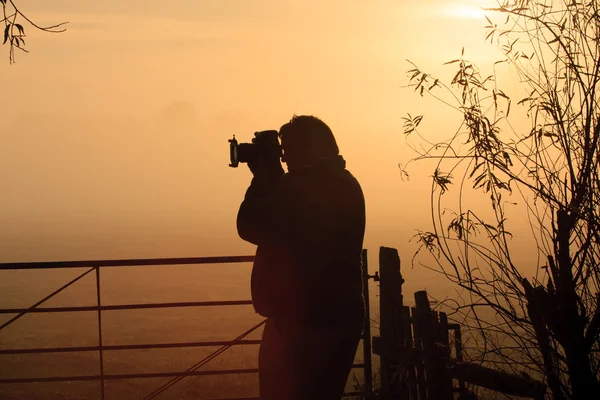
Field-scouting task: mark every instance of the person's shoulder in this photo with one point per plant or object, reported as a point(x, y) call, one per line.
point(352, 184)
point(350, 176)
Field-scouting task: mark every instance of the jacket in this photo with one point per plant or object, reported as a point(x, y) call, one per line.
point(309, 227)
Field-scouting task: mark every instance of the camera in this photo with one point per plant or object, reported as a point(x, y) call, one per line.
point(265, 144)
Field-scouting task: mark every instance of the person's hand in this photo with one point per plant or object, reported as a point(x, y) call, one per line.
point(258, 167)
point(268, 166)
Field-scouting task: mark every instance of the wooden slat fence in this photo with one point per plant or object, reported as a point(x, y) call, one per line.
point(417, 361)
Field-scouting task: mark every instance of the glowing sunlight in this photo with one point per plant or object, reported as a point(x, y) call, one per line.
point(469, 9)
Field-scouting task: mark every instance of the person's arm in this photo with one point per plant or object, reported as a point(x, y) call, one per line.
point(262, 214)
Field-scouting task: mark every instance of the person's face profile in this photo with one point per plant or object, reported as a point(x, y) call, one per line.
point(293, 153)
point(285, 146)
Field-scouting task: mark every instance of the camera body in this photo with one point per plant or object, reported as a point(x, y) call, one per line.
point(265, 144)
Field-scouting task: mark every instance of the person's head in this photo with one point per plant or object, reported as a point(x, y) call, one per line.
point(306, 140)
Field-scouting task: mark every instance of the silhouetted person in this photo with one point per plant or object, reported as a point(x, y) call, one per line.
point(309, 226)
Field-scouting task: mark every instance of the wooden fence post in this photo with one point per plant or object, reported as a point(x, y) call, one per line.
point(367, 361)
point(391, 325)
point(411, 376)
point(434, 329)
point(420, 382)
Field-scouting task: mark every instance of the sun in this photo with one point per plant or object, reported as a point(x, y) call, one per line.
point(471, 9)
point(467, 12)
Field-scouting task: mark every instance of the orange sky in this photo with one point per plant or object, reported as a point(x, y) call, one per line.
point(115, 132)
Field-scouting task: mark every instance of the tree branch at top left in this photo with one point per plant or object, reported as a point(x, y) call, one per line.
point(14, 32)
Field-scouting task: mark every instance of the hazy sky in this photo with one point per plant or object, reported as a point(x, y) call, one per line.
point(114, 139)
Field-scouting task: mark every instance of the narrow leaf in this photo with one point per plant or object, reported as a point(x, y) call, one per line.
point(6, 30)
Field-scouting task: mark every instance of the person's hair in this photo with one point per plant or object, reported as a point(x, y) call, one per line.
point(310, 135)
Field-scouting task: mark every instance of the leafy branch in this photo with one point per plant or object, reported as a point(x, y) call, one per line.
point(550, 318)
point(14, 32)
